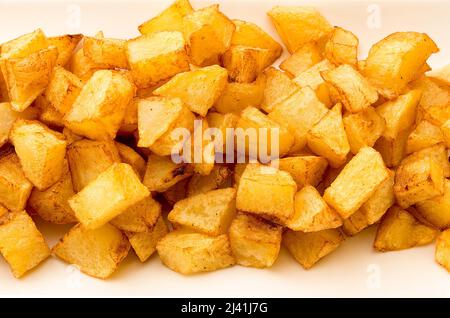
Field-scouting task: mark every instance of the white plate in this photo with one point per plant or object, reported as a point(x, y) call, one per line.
point(354, 270)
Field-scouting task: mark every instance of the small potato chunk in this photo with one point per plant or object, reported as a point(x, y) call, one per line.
point(106, 52)
point(302, 59)
point(395, 60)
point(298, 25)
point(52, 204)
point(254, 242)
point(353, 90)
point(162, 173)
point(363, 129)
point(393, 150)
point(128, 155)
point(210, 213)
point(8, 116)
point(267, 192)
point(418, 180)
point(400, 230)
point(219, 177)
point(299, 112)
point(156, 57)
point(198, 89)
point(436, 210)
point(41, 152)
point(144, 243)
point(110, 194)
point(423, 136)
point(278, 87)
point(309, 248)
point(442, 254)
point(245, 63)
point(312, 214)
point(96, 252)
point(342, 47)
point(138, 217)
point(65, 44)
point(208, 33)
point(21, 243)
point(88, 158)
point(306, 170)
point(357, 182)
point(99, 109)
point(190, 253)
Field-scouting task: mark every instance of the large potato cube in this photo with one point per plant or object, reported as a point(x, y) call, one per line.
point(437, 210)
point(245, 63)
point(423, 136)
point(278, 87)
point(21, 243)
point(97, 253)
point(393, 150)
point(190, 253)
point(437, 152)
point(110, 194)
point(105, 52)
point(254, 242)
point(442, 254)
point(342, 47)
point(306, 170)
point(302, 59)
point(139, 217)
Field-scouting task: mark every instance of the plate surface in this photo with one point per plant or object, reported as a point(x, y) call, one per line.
point(354, 270)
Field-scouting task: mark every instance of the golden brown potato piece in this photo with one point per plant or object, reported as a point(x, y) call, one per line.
point(395, 60)
point(328, 138)
point(21, 243)
point(436, 210)
point(52, 204)
point(82, 66)
point(302, 59)
point(65, 44)
point(441, 75)
point(437, 152)
point(138, 217)
point(254, 242)
point(423, 136)
point(342, 47)
point(298, 25)
point(8, 116)
point(24, 45)
point(41, 152)
point(306, 170)
point(156, 57)
point(443, 250)
point(93, 206)
point(418, 179)
point(224, 123)
point(400, 230)
point(130, 156)
point(220, 177)
point(198, 89)
point(245, 63)
point(210, 213)
point(144, 243)
point(88, 158)
point(356, 183)
point(363, 129)
point(352, 89)
point(190, 253)
point(309, 248)
point(97, 253)
point(106, 52)
point(208, 33)
point(278, 87)
point(393, 150)
point(98, 111)
point(267, 192)
point(312, 214)
point(162, 173)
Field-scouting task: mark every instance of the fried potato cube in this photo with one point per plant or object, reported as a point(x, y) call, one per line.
point(363, 128)
point(395, 60)
point(441, 75)
point(298, 25)
point(353, 90)
point(328, 138)
point(306, 170)
point(245, 63)
point(302, 59)
point(423, 136)
point(65, 44)
point(434, 102)
point(437, 152)
point(373, 209)
point(130, 156)
point(210, 213)
point(443, 250)
point(238, 96)
point(399, 114)
point(357, 182)
point(267, 192)
point(98, 111)
point(220, 177)
point(198, 89)
point(393, 150)
point(309, 248)
point(436, 210)
point(52, 204)
point(82, 66)
point(254, 242)
point(156, 57)
point(21, 243)
point(96, 252)
point(312, 214)
point(88, 158)
point(299, 112)
point(208, 33)
point(278, 87)
point(8, 116)
point(24, 45)
point(446, 133)
point(41, 152)
point(144, 243)
point(400, 230)
point(190, 253)
point(342, 47)
point(110, 194)
point(106, 52)
point(162, 173)
point(138, 217)
point(254, 123)
point(130, 120)
point(224, 123)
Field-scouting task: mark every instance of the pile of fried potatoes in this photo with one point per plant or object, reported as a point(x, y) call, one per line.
point(86, 139)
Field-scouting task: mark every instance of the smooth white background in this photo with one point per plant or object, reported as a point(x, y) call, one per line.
point(354, 270)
